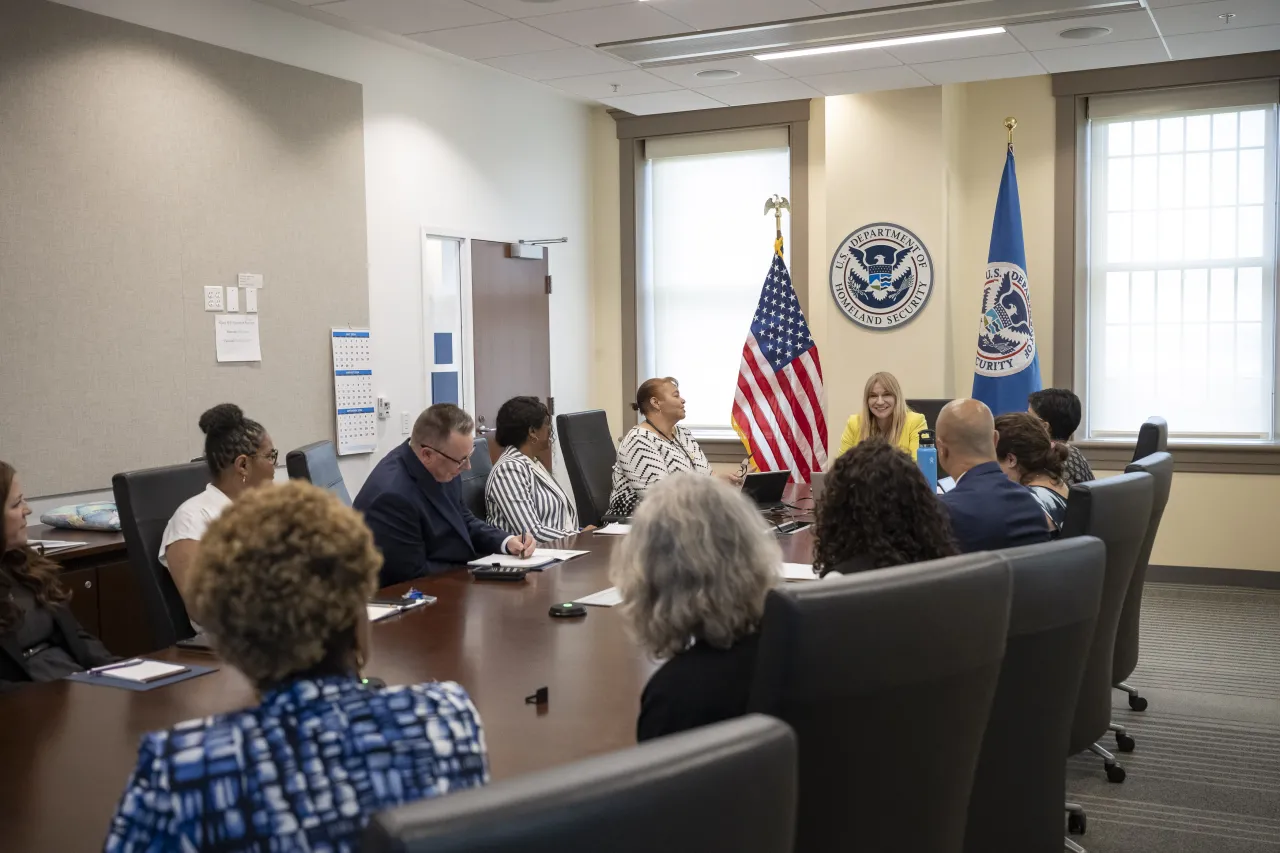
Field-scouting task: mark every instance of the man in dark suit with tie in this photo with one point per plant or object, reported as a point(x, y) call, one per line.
point(412, 502)
point(988, 510)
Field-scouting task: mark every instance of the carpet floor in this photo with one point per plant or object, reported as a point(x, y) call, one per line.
point(1205, 776)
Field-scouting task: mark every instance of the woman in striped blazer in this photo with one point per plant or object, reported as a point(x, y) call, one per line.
point(521, 495)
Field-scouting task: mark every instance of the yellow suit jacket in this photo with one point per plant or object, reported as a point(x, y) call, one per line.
point(908, 442)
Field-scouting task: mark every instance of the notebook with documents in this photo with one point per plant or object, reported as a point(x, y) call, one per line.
point(139, 670)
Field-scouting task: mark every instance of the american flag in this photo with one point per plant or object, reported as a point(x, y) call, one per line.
point(777, 407)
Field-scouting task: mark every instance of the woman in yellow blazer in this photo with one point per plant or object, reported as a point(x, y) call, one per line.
point(884, 415)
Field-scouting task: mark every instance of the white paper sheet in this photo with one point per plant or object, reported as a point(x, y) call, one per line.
point(236, 337)
point(798, 572)
point(53, 546)
point(945, 485)
point(142, 671)
point(604, 598)
point(250, 279)
point(558, 553)
point(534, 562)
point(615, 529)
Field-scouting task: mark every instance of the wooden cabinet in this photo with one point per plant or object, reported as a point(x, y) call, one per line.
point(83, 585)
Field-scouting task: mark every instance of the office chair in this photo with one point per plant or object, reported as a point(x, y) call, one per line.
point(146, 501)
point(929, 408)
point(725, 788)
point(1020, 783)
point(1160, 467)
point(1116, 510)
point(318, 463)
point(1153, 437)
point(887, 677)
point(589, 457)
point(475, 478)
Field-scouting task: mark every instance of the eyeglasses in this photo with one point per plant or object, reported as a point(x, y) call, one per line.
point(273, 454)
point(461, 463)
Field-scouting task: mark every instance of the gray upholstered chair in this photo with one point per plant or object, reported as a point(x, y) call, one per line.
point(475, 478)
point(1153, 437)
point(1116, 510)
point(318, 464)
point(147, 500)
point(887, 677)
point(1020, 784)
point(726, 788)
point(589, 457)
point(1160, 466)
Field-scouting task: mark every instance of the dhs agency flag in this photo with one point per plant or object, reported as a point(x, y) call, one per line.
point(1007, 367)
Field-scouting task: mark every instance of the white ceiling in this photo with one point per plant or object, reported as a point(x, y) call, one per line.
point(553, 41)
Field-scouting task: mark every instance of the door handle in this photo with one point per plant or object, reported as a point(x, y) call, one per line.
point(481, 429)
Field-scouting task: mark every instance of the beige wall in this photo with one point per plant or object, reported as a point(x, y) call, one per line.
point(606, 274)
point(930, 159)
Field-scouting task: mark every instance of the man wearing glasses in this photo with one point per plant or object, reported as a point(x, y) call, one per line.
point(412, 502)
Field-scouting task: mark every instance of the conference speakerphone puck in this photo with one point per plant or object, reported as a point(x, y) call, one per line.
point(569, 608)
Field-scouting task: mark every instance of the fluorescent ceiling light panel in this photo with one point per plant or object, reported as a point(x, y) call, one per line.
point(868, 45)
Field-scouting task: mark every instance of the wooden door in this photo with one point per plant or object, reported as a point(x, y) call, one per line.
point(511, 312)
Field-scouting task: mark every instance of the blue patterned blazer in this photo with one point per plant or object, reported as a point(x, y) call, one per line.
point(303, 771)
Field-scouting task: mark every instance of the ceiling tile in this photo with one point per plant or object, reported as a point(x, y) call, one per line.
point(611, 23)
point(966, 48)
point(530, 8)
point(830, 63)
point(871, 80)
point(662, 102)
point(1203, 17)
point(713, 14)
point(1126, 26)
point(764, 92)
point(598, 86)
point(411, 16)
point(860, 5)
point(1224, 42)
point(552, 64)
point(749, 71)
point(486, 41)
point(1102, 55)
point(980, 68)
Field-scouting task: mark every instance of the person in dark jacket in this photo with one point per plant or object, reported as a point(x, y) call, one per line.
point(39, 638)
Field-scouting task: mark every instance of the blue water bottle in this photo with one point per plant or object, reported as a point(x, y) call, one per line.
point(927, 458)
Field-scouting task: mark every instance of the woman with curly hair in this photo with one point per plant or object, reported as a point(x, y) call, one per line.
point(693, 574)
point(877, 511)
point(1028, 455)
point(39, 638)
point(281, 584)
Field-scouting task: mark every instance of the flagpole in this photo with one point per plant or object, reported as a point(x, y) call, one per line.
point(777, 204)
point(1010, 123)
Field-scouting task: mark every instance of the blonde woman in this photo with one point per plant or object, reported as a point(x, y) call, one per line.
point(884, 415)
point(693, 574)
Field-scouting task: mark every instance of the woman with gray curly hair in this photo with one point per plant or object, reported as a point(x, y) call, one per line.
point(280, 583)
point(693, 574)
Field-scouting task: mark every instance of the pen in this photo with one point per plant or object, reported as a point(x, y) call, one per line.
point(121, 665)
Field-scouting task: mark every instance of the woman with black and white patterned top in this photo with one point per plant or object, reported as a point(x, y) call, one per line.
point(655, 448)
point(521, 495)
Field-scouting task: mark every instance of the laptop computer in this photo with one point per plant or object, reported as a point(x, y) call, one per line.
point(765, 488)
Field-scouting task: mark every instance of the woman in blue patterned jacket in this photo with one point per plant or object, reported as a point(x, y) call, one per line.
point(280, 584)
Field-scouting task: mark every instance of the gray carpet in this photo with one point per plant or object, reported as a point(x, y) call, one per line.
point(1205, 777)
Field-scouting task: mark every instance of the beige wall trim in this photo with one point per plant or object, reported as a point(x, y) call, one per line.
point(705, 121)
point(632, 130)
point(1070, 257)
point(1250, 578)
point(1166, 75)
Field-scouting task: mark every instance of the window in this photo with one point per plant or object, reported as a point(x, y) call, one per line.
point(704, 249)
point(1182, 270)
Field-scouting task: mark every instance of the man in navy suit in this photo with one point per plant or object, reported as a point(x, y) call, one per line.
point(988, 510)
point(412, 502)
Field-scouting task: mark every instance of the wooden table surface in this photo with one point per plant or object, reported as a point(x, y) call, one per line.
point(66, 749)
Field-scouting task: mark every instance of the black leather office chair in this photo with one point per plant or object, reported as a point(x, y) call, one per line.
point(887, 678)
point(1125, 660)
point(727, 788)
point(1020, 784)
point(1116, 510)
point(929, 408)
point(589, 457)
point(318, 464)
point(146, 501)
point(475, 478)
point(1153, 437)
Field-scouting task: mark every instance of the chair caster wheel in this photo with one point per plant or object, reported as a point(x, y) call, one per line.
point(1138, 703)
point(1115, 773)
point(1076, 824)
point(1125, 743)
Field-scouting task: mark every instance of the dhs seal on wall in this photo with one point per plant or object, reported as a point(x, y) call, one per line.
point(881, 275)
point(1006, 339)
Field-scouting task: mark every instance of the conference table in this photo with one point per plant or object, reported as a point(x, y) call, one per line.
point(66, 749)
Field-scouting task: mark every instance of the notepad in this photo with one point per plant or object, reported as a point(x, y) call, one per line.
point(561, 554)
point(798, 572)
point(615, 529)
point(378, 610)
point(533, 563)
point(141, 672)
point(53, 546)
point(604, 598)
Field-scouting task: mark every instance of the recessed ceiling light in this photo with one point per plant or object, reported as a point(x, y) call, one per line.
point(717, 74)
point(1081, 33)
point(867, 45)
